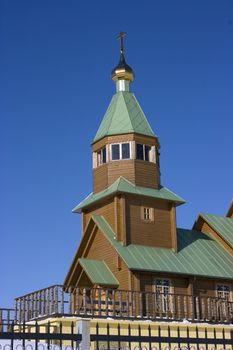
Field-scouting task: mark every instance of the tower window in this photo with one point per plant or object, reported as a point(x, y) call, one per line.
point(101, 156)
point(125, 151)
point(143, 152)
point(147, 214)
point(115, 152)
point(120, 151)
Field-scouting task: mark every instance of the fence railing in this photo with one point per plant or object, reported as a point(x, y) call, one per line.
point(87, 334)
point(6, 318)
point(34, 336)
point(120, 304)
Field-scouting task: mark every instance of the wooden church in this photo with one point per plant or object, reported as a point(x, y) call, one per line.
point(130, 240)
point(132, 260)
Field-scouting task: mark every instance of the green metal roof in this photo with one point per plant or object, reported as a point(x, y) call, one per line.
point(121, 185)
point(222, 224)
point(197, 255)
point(98, 272)
point(124, 115)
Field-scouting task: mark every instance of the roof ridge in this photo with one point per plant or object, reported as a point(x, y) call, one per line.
point(143, 115)
point(126, 180)
point(219, 216)
point(116, 96)
point(127, 107)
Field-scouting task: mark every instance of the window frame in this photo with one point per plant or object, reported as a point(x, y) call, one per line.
point(99, 163)
point(151, 214)
point(144, 152)
point(164, 304)
point(120, 151)
point(223, 285)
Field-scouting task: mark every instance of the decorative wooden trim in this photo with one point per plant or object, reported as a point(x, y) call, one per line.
point(116, 217)
point(173, 227)
point(83, 222)
point(119, 262)
point(123, 229)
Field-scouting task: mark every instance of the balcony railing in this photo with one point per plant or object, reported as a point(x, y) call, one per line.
point(6, 318)
point(53, 301)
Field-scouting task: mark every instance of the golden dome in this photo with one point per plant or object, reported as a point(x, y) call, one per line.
point(122, 71)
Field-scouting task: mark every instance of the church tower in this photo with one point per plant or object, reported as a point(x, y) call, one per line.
point(125, 144)
point(127, 191)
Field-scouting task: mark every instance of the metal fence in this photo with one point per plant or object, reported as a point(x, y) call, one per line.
point(85, 334)
point(35, 336)
point(139, 339)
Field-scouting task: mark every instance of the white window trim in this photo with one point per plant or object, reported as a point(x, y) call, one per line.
point(171, 291)
point(101, 156)
point(120, 149)
point(224, 284)
point(152, 156)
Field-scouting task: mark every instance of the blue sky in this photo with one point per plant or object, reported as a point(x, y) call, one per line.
point(56, 59)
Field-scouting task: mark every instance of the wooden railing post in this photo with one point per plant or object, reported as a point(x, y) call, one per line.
point(24, 314)
point(84, 301)
point(197, 308)
point(92, 302)
point(120, 303)
point(147, 305)
point(133, 304)
point(16, 311)
point(56, 300)
point(203, 311)
point(191, 307)
point(127, 304)
point(62, 301)
point(77, 302)
point(47, 301)
point(140, 304)
point(99, 302)
point(178, 307)
point(209, 309)
point(106, 302)
point(185, 308)
point(52, 300)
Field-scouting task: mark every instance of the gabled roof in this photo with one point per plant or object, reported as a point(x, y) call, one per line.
point(98, 272)
point(221, 224)
point(121, 185)
point(124, 115)
point(197, 255)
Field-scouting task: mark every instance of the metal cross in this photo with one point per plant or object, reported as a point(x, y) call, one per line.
point(121, 36)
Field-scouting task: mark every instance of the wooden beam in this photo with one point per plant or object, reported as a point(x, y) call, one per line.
point(123, 225)
point(173, 227)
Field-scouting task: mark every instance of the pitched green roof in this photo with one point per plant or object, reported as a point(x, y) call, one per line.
point(197, 255)
point(222, 224)
point(98, 272)
point(121, 185)
point(124, 115)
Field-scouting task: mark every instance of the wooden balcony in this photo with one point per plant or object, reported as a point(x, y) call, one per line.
point(113, 303)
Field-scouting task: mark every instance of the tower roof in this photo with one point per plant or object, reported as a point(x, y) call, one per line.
point(123, 116)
